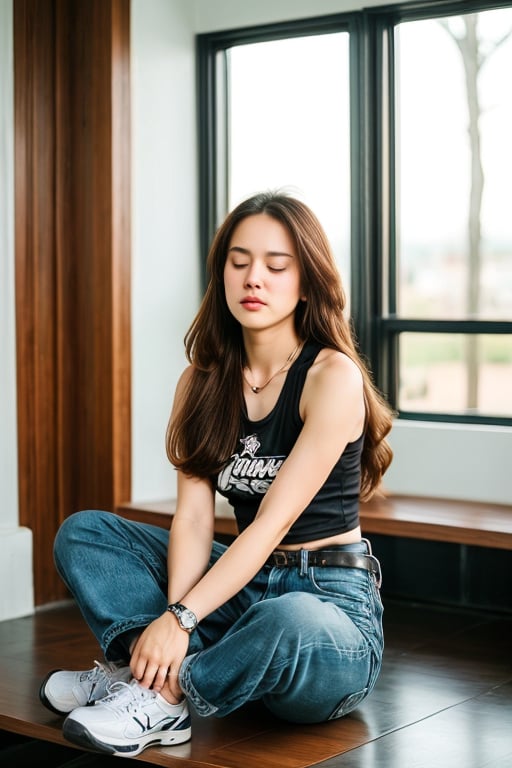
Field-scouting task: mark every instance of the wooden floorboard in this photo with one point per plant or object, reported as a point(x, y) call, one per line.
point(443, 700)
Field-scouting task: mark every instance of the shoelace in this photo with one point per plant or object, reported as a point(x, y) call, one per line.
point(93, 676)
point(126, 696)
point(106, 668)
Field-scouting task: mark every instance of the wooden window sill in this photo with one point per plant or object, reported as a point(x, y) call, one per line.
point(462, 522)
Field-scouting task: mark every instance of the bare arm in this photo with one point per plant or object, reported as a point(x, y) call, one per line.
point(163, 644)
point(191, 536)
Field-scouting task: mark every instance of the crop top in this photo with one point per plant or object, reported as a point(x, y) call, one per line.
point(264, 446)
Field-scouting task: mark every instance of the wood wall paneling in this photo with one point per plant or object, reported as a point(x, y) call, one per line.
point(35, 280)
point(72, 187)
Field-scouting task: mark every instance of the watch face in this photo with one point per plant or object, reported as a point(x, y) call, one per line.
point(187, 619)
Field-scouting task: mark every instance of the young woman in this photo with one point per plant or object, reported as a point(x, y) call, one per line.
point(277, 412)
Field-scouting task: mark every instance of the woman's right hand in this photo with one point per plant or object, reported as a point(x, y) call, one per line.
point(158, 654)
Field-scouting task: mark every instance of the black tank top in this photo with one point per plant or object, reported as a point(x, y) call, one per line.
point(264, 446)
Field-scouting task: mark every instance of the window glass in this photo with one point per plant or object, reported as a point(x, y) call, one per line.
point(444, 252)
point(288, 127)
point(454, 123)
point(456, 373)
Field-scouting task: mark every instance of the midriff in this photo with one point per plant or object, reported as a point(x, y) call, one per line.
point(350, 537)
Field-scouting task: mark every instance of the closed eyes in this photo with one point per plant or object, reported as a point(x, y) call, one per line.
point(270, 269)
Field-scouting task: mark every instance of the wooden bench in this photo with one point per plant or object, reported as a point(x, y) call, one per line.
point(462, 522)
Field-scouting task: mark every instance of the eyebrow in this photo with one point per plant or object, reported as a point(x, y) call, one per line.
point(247, 252)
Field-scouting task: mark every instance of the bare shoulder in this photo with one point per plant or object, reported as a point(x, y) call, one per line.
point(334, 390)
point(334, 367)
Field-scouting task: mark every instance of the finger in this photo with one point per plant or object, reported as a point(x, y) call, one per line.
point(148, 676)
point(137, 666)
point(160, 678)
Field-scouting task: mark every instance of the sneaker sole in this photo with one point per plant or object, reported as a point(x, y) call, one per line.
point(78, 734)
point(46, 701)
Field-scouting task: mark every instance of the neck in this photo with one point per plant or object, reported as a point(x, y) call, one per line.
point(258, 377)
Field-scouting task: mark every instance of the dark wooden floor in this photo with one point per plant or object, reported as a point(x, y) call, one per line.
point(443, 700)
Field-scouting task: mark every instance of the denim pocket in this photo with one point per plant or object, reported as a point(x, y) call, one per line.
point(348, 703)
point(348, 588)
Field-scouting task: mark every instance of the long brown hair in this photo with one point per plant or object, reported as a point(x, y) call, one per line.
point(204, 429)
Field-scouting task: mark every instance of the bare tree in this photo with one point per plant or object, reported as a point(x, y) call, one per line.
point(475, 52)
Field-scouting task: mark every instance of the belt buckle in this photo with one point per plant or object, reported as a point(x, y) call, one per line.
point(280, 558)
point(368, 546)
point(377, 571)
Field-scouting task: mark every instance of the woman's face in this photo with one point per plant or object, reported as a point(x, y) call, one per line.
point(261, 273)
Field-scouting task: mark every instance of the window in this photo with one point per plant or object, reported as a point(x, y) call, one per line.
point(288, 102)
point(453, 233)
point(275, 107)
point(413, 165)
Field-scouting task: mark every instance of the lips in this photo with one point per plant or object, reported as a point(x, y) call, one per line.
point(252, 303)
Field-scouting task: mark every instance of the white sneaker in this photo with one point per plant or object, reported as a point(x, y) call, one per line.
point(62, 691)
point(127, 721)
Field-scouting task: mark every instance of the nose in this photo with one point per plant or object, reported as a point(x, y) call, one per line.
point(253, 277)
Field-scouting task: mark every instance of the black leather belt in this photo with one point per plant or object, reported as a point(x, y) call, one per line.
point(325, 558)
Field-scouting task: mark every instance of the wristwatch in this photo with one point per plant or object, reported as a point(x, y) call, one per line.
point(186, 618)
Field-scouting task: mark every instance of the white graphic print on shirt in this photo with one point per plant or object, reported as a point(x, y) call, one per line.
point(247, 472)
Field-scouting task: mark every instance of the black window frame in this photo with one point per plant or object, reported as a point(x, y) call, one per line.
point(372, 130)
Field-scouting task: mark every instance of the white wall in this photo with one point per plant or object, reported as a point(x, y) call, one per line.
point(443, 460)
point(165, 249)
point(214, 15)
point(16, 590)
point(451, 461)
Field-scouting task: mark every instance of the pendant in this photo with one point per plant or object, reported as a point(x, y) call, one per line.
point(255, 390)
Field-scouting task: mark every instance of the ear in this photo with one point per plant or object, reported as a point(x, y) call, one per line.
point(303, 298)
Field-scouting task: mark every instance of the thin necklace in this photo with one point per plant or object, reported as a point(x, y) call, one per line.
point(256, 389)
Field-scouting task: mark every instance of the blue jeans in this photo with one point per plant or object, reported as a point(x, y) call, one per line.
point(308, 644)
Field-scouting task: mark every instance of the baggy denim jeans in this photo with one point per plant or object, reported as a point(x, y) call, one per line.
point(306, 642)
